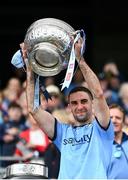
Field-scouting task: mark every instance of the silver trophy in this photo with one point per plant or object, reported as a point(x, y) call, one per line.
point(26, 171)
point(49, 42)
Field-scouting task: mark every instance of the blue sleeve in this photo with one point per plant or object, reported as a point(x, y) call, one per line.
point(105, 133)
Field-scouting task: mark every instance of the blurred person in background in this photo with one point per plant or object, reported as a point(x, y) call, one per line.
point(33, 142)
point(13, 120)
point(49, 81)
point(1, 110)
point(123, 94)
point(14, 84)
point(9, 131)
point(113, 75)
point(110, 95)
point(11, 92)
point(56, 98)
point(119, 161)
point(22, 101)
point(111, 66)
point(15, 116)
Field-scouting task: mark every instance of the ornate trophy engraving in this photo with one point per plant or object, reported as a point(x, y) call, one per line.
point(48, 42)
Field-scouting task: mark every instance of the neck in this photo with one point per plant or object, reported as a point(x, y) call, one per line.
point(118, 137)
point(77, 123)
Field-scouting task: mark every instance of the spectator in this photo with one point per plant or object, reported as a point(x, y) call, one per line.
point(119, 162)
point(15, 116)
point(1, 110)
point(33, 141)
point(110, 95)
point(114, 77)
point(123, 94)
point(49, 81)
point(9, 131)
point(56, 98)
point(11, 92)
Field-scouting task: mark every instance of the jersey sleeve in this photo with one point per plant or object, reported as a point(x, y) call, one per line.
point(105, 133)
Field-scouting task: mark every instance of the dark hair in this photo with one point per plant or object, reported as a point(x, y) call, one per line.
point(80, 88)
point(14, 105)
point(114, 105)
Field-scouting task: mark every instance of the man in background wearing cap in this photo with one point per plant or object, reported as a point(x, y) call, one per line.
point(86, 146)
point(56, 97)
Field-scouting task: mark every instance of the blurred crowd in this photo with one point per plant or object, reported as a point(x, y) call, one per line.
point(20, 136)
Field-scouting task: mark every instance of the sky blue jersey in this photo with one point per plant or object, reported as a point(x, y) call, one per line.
point(119, 162)
point(85, 150)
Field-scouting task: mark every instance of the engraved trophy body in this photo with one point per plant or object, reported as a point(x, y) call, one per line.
point(48, 43)
point(26, 171)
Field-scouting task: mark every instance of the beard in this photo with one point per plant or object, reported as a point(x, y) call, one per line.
point(82, 118)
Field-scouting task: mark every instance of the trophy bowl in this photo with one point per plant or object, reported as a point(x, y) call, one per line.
point(48, 43)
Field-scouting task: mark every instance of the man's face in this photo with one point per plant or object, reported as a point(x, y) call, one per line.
point(117, 119)
point(81, 106)
point(15, 113)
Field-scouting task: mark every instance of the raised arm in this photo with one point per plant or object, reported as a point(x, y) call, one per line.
point(101, 109)
point(45, 120)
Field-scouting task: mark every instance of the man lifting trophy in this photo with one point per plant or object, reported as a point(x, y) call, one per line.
point(85, 145)
point(48, 47)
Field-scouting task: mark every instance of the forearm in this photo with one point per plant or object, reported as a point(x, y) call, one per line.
point(90, 78)
point(42, 117)
point(101, 109)
point(45, 120)
point(30, 89)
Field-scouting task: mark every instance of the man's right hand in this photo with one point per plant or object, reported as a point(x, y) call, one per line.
point(78, 46)
point(25, 58)
point(23, 50)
